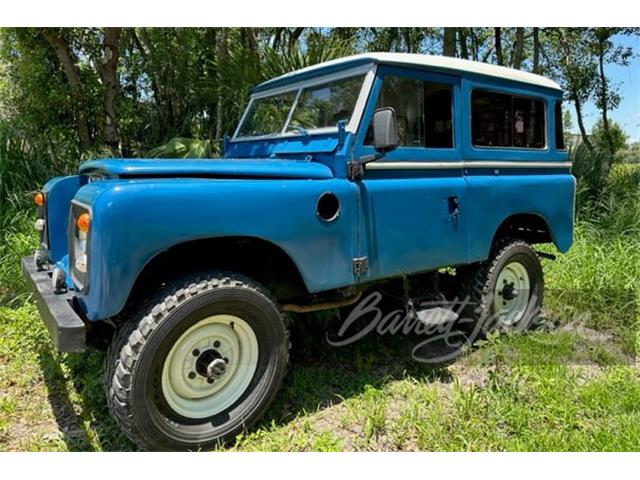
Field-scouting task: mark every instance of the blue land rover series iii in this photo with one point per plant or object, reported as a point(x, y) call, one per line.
point(339, 176)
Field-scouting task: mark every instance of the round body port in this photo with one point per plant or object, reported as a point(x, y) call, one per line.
point(328, 207)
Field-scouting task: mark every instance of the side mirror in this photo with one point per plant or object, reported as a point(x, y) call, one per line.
point(385, 136)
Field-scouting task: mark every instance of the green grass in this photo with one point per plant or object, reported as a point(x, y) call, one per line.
point(573, 387)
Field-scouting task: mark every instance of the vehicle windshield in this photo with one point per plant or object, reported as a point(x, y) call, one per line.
point(317, 106)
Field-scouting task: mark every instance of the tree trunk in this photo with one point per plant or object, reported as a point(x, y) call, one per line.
point(250, 37)
point(221, 55)
point(603, 96)
point(536, 50)
point(68, 62)
point(518, 49)
point(294, 36)
point(583, 131)
point(108, 71)
point(474, 45)
point(498, 45)
point(277, 38)
point(464, 50)
point(147, 66)
point(449, 42)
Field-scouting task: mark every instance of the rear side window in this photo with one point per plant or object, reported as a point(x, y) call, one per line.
point(423, 112)
point(558, 121)
point(502, 120)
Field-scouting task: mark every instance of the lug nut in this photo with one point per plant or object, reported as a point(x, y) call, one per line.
point(196, 352)
point(192, 375)
point(216, 344)
point(210, 380)
point(226, 360)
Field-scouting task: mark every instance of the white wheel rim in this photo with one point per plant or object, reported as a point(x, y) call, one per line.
point(511, 293)
point(188, 388)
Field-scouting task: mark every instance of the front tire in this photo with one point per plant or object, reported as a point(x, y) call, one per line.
point(199, 364)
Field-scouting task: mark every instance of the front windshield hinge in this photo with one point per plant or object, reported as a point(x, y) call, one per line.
point(342, 132)
point(225, 144)
point(355, 170)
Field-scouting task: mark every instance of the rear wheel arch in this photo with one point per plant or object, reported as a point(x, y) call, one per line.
point(531, 227)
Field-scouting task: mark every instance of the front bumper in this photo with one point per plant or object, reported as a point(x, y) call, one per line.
point(66, 328)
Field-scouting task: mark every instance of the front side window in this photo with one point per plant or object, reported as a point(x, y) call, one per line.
point(317, 106)
point(502, 120)
point(423, 112)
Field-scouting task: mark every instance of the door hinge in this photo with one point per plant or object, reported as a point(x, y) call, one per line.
point(360, 266)
point(355, 170)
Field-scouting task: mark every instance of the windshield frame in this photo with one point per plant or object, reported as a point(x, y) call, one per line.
point(369, 75)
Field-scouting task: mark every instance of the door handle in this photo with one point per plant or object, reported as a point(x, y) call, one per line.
point(454, 207)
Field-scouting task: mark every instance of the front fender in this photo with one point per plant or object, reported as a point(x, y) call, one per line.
point(135, 220)
point(59, 191)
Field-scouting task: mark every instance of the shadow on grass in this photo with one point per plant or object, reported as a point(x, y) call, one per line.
point(319, 375)
point(78, 402)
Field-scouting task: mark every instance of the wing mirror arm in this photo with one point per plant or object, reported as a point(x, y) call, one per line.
point(385, 139)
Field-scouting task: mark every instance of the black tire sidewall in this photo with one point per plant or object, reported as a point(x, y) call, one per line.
point(173, 431)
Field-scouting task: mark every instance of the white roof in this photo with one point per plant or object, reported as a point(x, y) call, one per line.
point(439, 62)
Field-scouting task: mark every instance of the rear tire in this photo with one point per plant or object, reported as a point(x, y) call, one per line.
point(505, 292)
point(198, 364)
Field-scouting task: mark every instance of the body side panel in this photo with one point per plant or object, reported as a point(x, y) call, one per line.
point(496, 197)
point(406, 224)
point(498, 192)
point(411, 198)
point(135, 220)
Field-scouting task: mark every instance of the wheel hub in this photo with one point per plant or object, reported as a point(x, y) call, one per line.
point(209, 366)
point(511, 293)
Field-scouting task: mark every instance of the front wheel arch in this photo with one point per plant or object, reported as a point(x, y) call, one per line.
point(257, 258)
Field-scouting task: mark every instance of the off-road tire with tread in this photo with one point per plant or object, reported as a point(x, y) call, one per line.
point(480, 283)
point(136, 355)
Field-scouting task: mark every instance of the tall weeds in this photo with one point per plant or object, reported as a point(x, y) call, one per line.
point(24, 167)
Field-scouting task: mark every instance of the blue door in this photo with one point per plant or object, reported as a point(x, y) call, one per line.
point(413, 200)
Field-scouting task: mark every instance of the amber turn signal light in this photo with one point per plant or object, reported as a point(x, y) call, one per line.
point(83, 222)
point(38, 199)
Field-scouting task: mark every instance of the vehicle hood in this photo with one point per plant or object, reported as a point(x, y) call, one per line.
point(207, 168)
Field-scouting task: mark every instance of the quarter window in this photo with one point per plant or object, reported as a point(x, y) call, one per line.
point(558, 122)
point(501, 120)
point(423, 112)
